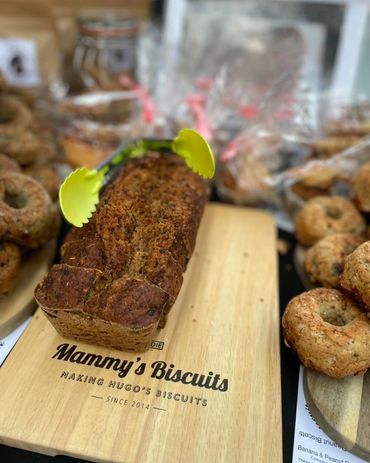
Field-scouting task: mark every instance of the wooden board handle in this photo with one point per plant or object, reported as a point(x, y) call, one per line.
point(335, 404)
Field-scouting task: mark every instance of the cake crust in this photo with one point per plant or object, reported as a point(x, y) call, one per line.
point(120, 274)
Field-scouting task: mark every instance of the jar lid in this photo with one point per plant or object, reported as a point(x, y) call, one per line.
point(107, 27)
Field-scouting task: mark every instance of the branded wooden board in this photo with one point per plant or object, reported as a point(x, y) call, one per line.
point(19, 303)
point(207, 391)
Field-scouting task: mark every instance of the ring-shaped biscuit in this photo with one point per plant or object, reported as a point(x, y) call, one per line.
point(324, 261)
point(27, 214)
point(360, 183)
point(24, 147)
point(8, 165)
point(14, 116)
point(10, 264)
point(355, 277)
point(47, 176)
point(329, 332)
point(326, 215)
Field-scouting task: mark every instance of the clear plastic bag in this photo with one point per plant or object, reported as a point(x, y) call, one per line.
point(269, 142)
point(332, 176)
point(117, 107)
point(91, 125)
point(294, 146)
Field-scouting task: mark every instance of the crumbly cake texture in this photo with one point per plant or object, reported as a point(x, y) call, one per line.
point(120, 274)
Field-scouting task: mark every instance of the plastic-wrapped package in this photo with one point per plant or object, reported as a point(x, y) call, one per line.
point(339, 124)
point(340, 174)
point(250, 169)
point(89, 143)
point(92, 125)
point(335, 152)
point(104, 107)
point(287, 157)
point(236, 101)
point(245, 168)
point(217, 90)
point(270, 141)
point(345, 117)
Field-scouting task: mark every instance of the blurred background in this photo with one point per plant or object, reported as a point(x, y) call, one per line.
point(273, 86)
point(45, 40)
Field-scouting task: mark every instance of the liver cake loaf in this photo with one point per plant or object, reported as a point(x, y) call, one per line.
point(120, 274)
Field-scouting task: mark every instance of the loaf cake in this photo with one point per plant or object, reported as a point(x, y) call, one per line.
point(120, 273)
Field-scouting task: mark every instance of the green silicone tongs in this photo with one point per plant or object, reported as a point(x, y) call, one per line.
point(79, 193)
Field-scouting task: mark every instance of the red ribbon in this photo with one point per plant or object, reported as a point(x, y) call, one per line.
point(248, 112)
point(204, 83)
point(148, 112)
point(230, 150)
point(196, 104)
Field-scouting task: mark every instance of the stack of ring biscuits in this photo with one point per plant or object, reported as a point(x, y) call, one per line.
point(28, 187)
point(329, 326)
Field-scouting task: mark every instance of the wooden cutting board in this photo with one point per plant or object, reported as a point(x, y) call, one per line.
point(341, 407)
point(224, 326)
point(19, 303)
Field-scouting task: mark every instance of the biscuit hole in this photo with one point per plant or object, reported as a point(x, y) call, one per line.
point(332, 316)
point(6, 115)
point(15, 201)
point(336, 269)
point(334, 212)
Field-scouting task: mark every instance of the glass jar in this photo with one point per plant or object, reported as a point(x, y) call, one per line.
point(106, 51)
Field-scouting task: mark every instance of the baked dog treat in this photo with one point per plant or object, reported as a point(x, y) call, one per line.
point(329, 146)
point(324, 260)
point(10, 265)
point(350, 126)
point(316, 182)
point(27, 214)
point(8, 165)
point(360, 183)
point(329, 332)
point(46, 175)
point(245, 181)
point(326, 215)
point(356, 275)
point(24, 146)
point(124, 268)
point(82, 153)
point(14, 116)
